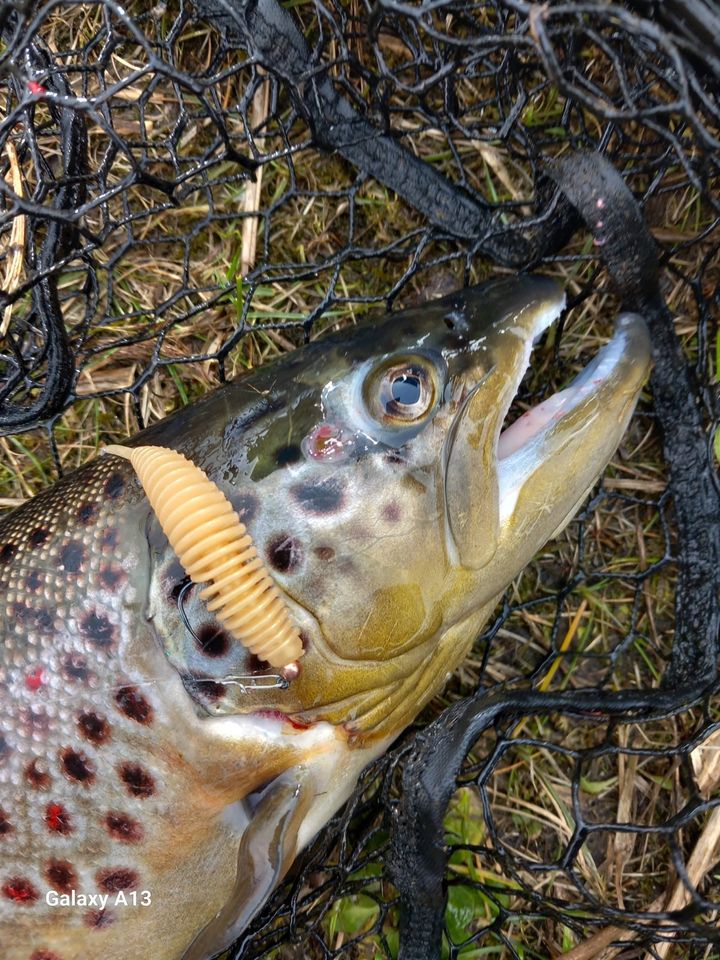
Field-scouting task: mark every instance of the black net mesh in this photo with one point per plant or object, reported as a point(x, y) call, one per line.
point(190, 189)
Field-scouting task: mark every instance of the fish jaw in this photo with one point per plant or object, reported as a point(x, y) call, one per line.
point(552, 456)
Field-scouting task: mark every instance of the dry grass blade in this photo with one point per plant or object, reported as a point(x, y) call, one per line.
point(16, 248)
point(253, 190)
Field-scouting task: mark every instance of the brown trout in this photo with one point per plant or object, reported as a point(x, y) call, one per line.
point(151, 796)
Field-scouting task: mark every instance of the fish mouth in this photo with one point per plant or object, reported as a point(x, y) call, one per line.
point(605, 390)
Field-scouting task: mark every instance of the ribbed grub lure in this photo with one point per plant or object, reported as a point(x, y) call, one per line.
point(215, 548)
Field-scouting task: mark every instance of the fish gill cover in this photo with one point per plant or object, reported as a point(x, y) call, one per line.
point(190, 189)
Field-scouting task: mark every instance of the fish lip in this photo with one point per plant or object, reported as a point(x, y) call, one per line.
point(623, 361)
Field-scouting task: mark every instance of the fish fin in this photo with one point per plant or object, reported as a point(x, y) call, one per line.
point(268, 846)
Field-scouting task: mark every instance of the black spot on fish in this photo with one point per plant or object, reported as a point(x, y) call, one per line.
point(123, 828)
point(114, 486)
point(134, 705)
point(396, 459)
point(36, 776)
point(4, 748)
point(109, 540)
point(319, 496)
point(98, 629)
point(111, 575)
point(7, 552)
point(98, 919)
point(202, 688)
point(115, 879)
point(61, 875)
point(137, 780)
point(246, 506)
point(254, 665)
point(72, 556)
point(21, 613)
point(291, 453)
point(33, 581)
point(93, 727)
point(5, 825)
point(391, 512)
point(284, 553)
point(213, 641)
point(178, 587)
point(325, 553)
point(38, 537)
point(86, 513)
point(75, 667)
point(76, 766)
point(43, 619)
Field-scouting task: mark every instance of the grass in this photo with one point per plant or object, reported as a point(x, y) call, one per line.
point(200, 267)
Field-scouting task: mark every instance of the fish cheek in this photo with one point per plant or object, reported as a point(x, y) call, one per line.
point(398, 620)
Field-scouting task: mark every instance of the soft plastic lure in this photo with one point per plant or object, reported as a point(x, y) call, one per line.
point(215, 548)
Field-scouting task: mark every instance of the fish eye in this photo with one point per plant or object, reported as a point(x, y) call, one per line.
point(400, 392)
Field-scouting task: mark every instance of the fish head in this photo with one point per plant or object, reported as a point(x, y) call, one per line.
point(389, 504)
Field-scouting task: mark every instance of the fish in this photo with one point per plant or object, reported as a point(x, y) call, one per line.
point(157, 780)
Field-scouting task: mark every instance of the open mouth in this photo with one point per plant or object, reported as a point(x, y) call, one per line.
point(533, 437)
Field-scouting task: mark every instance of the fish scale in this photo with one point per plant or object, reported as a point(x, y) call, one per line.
point(72, 721)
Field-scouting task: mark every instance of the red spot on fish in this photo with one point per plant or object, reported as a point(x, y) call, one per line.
point(97, 919)
point(38, 537)
point(34, 680)
point(93, 727)
point(21, 891)
point(325, 553)
point(61, 876)
point(86, 513)
point(5, 825)
point(111, 575)
point(114, 486)
point(44, 955)
point(37, 89)
point(36, 776)
point(134, 705)
point(284, 717)
point(7, 552)
point(325, 442)
point(123, 828)
point(75, 667)
point(58, 819)
point(112, 880)
point(138, 781)
point(98, 629)
point(72, 557)
point(76, 766)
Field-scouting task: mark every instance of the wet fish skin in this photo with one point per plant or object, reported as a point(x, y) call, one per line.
point(130, 761)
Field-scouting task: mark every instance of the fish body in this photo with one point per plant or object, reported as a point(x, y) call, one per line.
point(152, 793)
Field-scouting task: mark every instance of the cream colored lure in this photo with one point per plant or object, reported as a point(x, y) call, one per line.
point(150, 796)
point(214, 547)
